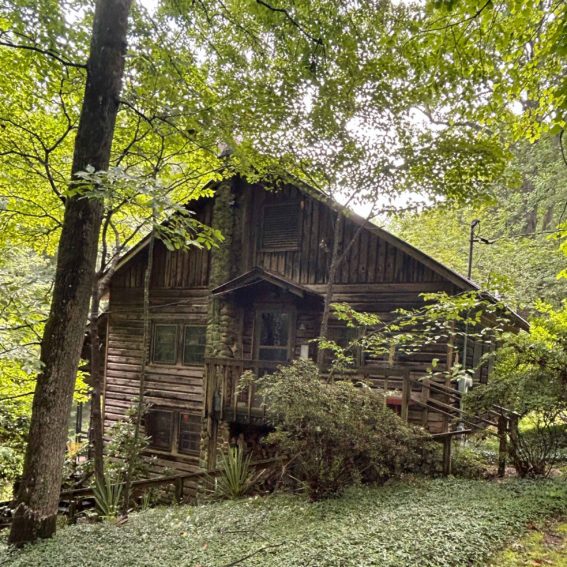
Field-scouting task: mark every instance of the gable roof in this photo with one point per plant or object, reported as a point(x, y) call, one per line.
point(259, 273)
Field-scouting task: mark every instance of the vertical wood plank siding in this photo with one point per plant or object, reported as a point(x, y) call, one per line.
point(376, 276)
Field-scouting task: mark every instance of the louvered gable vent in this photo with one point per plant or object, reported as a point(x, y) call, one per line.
point(281, 227)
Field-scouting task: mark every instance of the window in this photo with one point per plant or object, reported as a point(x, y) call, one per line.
point(159, 428)
point(189, 433)
point(178, 343)
point(194, 339)
point(274, 331)
point(165, 344)
point(174, 431)
point(280, 229)
point(343, 336)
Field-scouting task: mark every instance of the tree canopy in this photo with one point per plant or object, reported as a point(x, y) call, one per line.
point(459, 103)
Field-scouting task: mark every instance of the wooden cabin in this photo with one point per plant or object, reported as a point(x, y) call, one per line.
point(254, 303)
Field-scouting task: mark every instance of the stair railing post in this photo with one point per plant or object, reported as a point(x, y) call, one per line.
point(179, 489)
point(447, 455)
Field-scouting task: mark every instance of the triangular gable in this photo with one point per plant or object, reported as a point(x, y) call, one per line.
point(259, 275)
point(459, 281)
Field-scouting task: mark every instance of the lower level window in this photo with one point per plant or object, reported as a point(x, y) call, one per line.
point(174, 431)
point(194, 340)
point(189, 433)
point(159, 428)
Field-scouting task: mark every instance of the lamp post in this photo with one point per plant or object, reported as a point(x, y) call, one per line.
point(472, 239)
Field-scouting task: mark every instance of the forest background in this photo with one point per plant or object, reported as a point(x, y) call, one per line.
point(502, 155)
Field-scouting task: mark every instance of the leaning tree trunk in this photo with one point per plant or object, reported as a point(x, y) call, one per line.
point(96, 371)
point(38, 496)
point(95, 382)
point(145, 362)
point(334, 264)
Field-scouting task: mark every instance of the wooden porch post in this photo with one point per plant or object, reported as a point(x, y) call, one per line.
point(406, 394)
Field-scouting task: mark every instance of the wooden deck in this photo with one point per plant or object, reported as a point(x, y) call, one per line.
point(421, 401)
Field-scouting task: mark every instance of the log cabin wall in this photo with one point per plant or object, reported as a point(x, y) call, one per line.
point(377, 276)
point(179, 296)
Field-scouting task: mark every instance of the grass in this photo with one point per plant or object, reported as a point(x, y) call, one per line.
point(544, 545)
point(445, 523)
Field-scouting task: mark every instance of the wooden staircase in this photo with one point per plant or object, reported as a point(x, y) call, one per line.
point(503, 421)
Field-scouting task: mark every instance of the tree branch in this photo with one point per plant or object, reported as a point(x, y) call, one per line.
point(36, 49)
point(300, 27)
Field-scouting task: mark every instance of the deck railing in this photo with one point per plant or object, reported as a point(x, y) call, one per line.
point(227, 398)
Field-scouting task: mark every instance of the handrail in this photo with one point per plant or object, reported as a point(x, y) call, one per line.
point(167, 479)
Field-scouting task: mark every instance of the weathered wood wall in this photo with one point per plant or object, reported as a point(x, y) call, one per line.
point(376, 277)
point(370, 259)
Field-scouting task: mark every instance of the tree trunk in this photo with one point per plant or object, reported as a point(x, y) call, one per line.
point(38, 496)
point(95, 427)
point(334, 264)
point(145, 362)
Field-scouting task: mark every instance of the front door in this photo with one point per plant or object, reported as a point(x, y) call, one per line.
point(273, 338)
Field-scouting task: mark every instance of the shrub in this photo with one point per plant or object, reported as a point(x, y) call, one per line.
point(535, 450)
point(13, 431)
point(336, 434)
point(469, 463)
point(124, 446)
point(236, 479)
point(530, 378)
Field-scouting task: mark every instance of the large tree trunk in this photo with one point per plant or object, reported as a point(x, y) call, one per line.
point(38, 496)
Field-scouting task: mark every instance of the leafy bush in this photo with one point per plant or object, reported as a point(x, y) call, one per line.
point(13, 430)
point(336, 434)
point(535, 450)
point(469, 463)
point(530, 378)
point(123, 446)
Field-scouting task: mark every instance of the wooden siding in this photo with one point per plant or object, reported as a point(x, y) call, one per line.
point(376, 277)
point(178, 269)
point(370, 259)
point(168, 386)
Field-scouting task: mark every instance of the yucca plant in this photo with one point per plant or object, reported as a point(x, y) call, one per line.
point(108, 496)
point(236, 478)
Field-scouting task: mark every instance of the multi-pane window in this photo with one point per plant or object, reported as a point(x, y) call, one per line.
point(176, 343)
point(194, 339)
point(173, 431)
point(189, 437)
point(274, 335)
point(159, 428)
point(165, 344)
